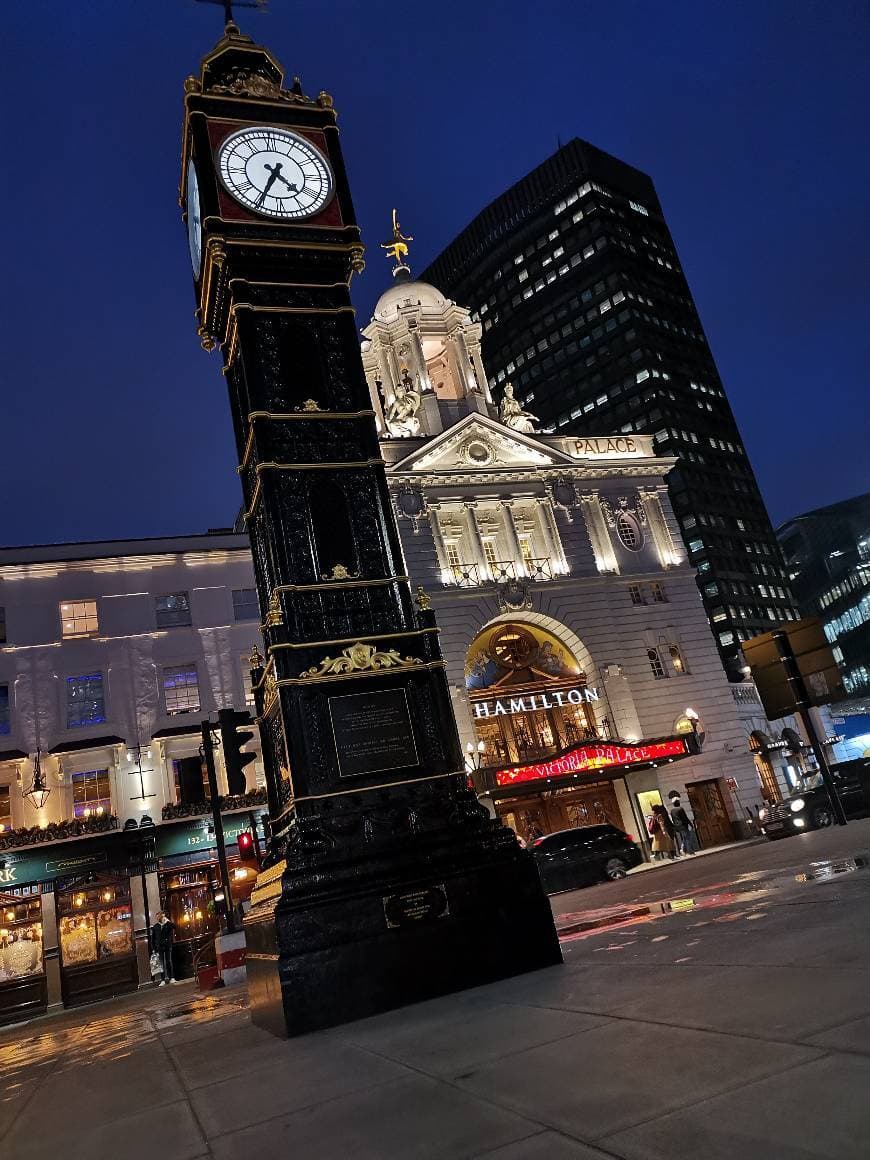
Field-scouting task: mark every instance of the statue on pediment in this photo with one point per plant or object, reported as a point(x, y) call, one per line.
point(512, 414)
point(401, 412)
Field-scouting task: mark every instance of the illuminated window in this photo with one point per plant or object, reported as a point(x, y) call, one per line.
point(5, 719)
point(79, 618)
point(5, 808)
point(658, 592)
point(247, 687)
point(91, 793)
point(85, 701)
point(526, 550)
point(452, 554)
point(677, 659)
point(173, 610)
point(181, 689)
point(655, 663)
point(636, 593)
point(489, 552)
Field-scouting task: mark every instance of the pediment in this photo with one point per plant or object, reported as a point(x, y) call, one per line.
point(480, 443)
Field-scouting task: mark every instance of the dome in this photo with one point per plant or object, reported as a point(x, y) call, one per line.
point(408, 293)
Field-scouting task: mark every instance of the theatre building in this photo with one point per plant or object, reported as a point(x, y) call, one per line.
point(586, 680)
point(110, 656)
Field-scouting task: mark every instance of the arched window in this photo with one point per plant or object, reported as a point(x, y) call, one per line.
point(655, 663)
point(677, 659)
point(334, 541)
point(301, 362)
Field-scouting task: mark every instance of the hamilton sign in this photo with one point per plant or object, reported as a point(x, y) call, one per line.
point(533, 702)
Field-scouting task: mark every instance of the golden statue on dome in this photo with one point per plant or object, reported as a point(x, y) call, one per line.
point(397, 247)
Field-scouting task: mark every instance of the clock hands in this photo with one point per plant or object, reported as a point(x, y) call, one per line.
point(275, 175)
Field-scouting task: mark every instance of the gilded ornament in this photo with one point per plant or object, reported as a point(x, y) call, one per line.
point(243, 82)
point(422, 600)
point(360, 658)
point(310, 405)
point(205, 339)
point(397, 246)
point(274, 617)
point(256, 658)
point(339, 572)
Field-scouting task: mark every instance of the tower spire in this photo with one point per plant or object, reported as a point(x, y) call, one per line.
point(397, 249)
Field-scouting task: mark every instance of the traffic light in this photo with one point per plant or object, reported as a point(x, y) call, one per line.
point(245, 842)
point(233, 737)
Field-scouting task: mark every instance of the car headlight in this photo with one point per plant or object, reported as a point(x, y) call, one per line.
point(797, 805)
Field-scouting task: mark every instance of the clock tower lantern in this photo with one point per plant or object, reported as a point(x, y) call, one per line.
point(386, 881)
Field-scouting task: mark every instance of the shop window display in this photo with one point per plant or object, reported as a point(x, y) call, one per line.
point(95, 923)
point(20, 938)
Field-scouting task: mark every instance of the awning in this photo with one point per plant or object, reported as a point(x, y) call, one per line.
point(86, 743)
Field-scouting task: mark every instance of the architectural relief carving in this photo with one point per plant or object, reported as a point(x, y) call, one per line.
point(512, 414)
point(361, 658)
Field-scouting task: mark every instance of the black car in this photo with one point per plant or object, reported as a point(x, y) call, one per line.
point(810, 807)
point(572, 858)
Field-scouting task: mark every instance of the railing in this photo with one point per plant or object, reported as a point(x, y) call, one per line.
point(57, 831)
point(502, 569)
point(540, 568)
point(465, 575)
point(238, 801)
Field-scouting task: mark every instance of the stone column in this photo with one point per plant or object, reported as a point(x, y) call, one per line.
point(477, 362)
point(437, 538)
point(513, 538)
point(552, 539)
point(599, 536)
point(418, 360)
point(475, 538)
point(658, 527)
point(460, 362)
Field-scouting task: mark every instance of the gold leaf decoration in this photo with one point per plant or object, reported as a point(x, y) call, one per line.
point(360, 658)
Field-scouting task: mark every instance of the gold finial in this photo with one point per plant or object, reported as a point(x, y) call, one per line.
point(422, 600)
point(397, 247)
point(256, 658)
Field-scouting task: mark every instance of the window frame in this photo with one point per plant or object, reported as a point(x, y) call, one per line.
point(92, 676)
point(656, 664)
point(89, 620)
point(102, 803)
point(158, 612)
point(180, 691)
point(241, 604)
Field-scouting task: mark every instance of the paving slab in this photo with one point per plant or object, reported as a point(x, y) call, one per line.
point(545, 1146)
point(624, 1072)
point(227, 1055)
point(461, 1037)
point(818, 1111)
point(851, 1036)
point(312, 1071)
point(412, 1119)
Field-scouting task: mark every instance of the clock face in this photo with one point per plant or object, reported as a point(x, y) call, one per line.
point(194, 222)
point(275, 172)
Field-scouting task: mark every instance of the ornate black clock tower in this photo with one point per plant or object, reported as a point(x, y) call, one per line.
point(387, 882)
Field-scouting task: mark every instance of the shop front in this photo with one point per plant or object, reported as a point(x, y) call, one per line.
point(68, 934)
point(583, 786)
point(190, 887)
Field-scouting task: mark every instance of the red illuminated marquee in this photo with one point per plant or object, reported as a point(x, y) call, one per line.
point(588, 758)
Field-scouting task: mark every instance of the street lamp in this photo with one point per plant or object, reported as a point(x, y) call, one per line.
point(38, 792)
point(474, 756)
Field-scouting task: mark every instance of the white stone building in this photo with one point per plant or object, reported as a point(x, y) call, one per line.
point(575, 640)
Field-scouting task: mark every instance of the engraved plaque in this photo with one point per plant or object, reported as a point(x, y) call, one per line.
point(373, 732)
point(416, 906)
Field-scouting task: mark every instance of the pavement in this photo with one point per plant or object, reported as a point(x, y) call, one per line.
point(731, 1019)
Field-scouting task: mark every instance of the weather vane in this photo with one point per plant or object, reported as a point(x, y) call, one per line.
point(397, 247)
point(229, 5)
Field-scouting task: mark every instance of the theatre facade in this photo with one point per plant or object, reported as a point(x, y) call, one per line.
point(586, 681)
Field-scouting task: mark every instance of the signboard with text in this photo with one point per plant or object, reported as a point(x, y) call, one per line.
point(589, 758)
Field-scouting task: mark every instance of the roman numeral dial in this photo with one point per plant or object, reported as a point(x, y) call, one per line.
point(275, 172)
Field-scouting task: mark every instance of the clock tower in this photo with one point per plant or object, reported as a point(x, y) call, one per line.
point(386, 882)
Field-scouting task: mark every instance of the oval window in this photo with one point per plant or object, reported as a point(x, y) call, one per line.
point(629, 531)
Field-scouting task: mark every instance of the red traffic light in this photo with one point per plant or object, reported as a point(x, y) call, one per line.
point(246, 844)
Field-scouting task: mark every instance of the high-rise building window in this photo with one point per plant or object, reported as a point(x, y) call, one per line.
point(85, 701)
point(79, 618)
point(5, 716)
point(91, 793)
point(172, 611)
point(655, 663)
point(245, 604)
point(181, 689)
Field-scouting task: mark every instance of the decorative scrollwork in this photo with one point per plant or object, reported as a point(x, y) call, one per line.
point(244, 82)
point(274, 617)
point(339, 572)
point(360, 658)
point(310, 405)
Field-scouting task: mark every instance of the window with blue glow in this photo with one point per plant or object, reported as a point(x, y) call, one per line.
point(85, 701)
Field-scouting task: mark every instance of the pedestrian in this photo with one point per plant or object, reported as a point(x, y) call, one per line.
point(162, 934)
point(662, 833)
point(684, 831)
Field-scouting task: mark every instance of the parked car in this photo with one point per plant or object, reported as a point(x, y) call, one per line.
point(810, 807)
point(571, 858)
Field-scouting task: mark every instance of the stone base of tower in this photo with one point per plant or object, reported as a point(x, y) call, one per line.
point(384, 934)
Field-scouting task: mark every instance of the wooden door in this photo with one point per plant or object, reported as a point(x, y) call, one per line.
point(711, 817)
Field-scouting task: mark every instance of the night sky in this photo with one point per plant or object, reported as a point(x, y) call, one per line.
point(751, 118)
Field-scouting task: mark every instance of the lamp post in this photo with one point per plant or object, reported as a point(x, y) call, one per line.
point(38, 792)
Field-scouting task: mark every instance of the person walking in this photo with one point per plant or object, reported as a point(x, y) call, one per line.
point(662, 833)
point(162, 935)
point(684, 830)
